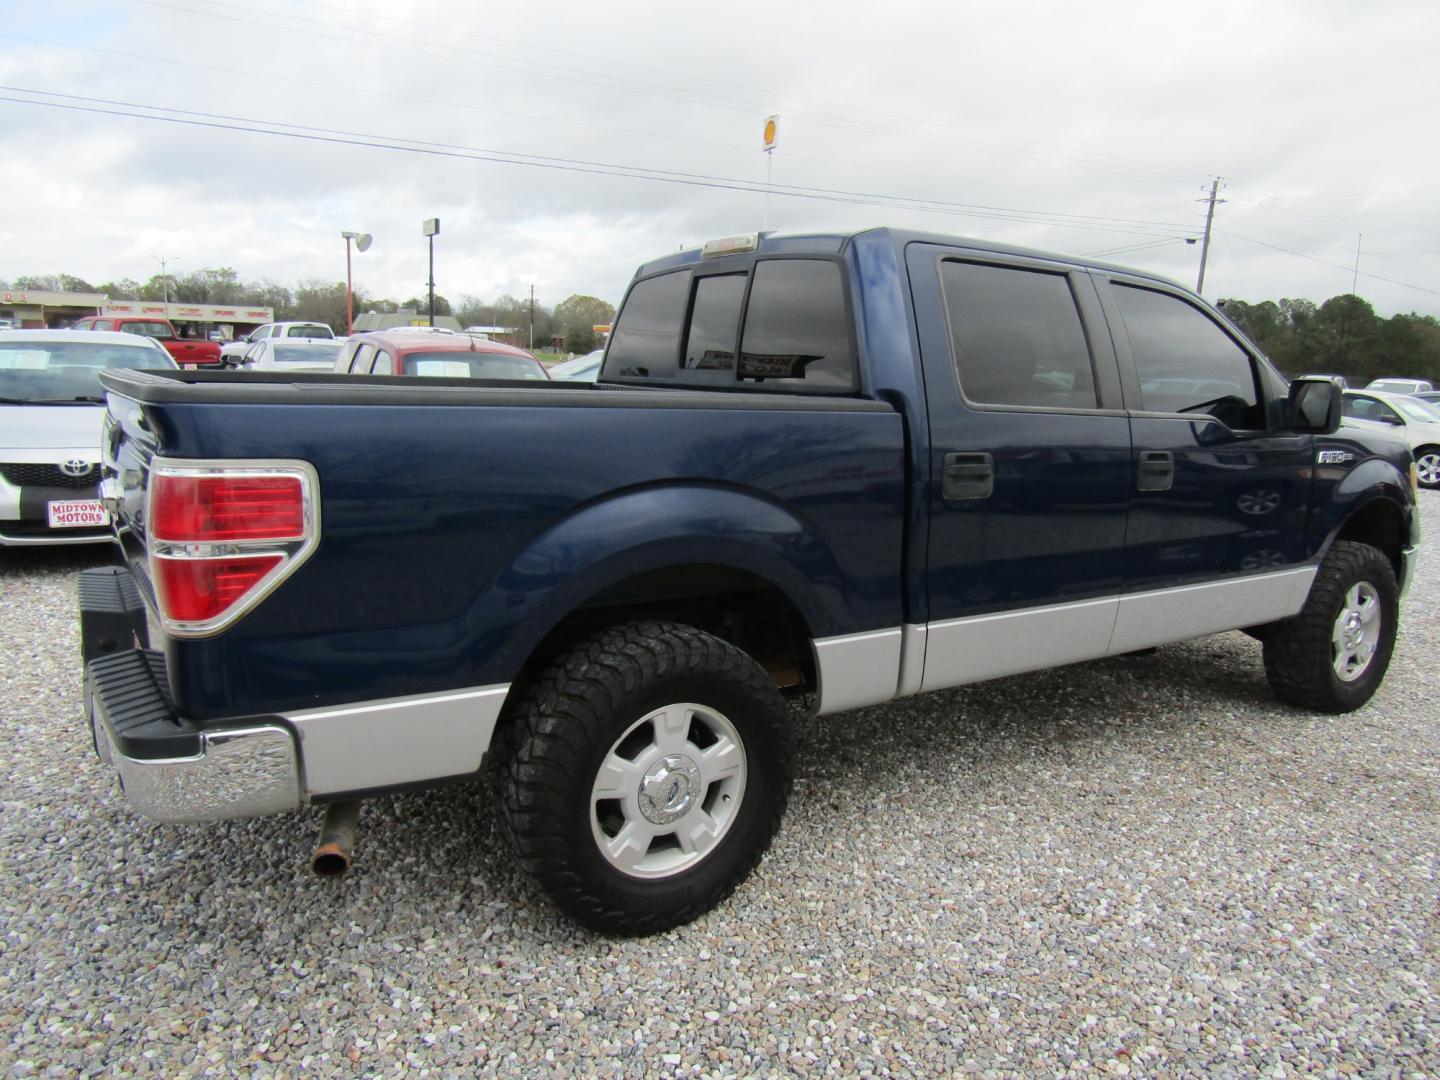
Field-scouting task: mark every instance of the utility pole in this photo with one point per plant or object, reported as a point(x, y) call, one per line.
point(1209, 219)
point(532, 318)
point(1355, 281)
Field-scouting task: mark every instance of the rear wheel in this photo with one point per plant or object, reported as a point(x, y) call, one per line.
point(648, 770)
point(1334, 654)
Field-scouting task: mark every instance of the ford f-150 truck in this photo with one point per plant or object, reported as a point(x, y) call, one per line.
point(849, 466)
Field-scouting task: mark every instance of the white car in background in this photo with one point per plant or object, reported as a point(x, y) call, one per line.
point(293, 354)
point(1401, 386)
point(1415, 421)
point(52, 407)
point(232, 352)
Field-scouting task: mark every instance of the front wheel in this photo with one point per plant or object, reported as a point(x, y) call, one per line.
point(648, 770)
point(1334, 654)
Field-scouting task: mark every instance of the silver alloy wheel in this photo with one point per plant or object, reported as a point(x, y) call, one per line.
point(1357, 632)
point(668, 791)
point(1427, 467)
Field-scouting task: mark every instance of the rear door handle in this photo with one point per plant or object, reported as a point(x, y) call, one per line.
point(1157, 470)
point(968, 476)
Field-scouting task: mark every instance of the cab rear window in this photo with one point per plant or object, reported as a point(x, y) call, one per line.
point(781, 324)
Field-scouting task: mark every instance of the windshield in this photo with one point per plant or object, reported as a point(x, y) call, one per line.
point(306, 353)
point(35, 371)
point(451, 364)
point(309, 330)
point(1421, 412)
point(149, 329)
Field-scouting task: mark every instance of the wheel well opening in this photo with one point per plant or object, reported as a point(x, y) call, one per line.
point(1380, 525)
point(736, 606)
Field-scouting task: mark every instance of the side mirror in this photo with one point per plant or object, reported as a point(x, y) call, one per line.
point(1314, 405)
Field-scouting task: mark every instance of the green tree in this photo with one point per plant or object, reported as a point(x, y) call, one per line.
point(576, 317)
point(322, 301)
point(1342, 336)
point(124, 289)
point(209, 286)
point(422, 305)
point(39, 282)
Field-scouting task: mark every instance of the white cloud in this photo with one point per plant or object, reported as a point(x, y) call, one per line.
point(1316, 114)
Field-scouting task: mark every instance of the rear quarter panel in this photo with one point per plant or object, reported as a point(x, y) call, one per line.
point(455, 536)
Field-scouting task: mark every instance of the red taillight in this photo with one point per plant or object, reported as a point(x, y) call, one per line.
point(221, 537)
point(209, 509)
point(198, 590)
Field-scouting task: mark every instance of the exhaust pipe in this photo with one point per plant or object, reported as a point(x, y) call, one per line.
point(337, 839)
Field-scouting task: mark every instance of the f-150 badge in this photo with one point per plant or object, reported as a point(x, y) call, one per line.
point(1333, 457)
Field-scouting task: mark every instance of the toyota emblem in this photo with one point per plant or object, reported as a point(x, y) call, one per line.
point(76, 467)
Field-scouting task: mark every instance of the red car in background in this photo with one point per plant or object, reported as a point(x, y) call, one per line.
point(436, 355)
point(187, 351)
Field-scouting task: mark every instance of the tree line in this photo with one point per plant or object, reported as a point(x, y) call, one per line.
point(317, 300)
point(1342, 336)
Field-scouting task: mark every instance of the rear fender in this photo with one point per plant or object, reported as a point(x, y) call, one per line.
point(647, 529)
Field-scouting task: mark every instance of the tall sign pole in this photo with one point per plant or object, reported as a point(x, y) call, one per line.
point(1205, 245)
point(772, 133)
point(430, 227)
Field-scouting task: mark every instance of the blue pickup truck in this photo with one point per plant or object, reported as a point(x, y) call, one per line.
point(830, 469)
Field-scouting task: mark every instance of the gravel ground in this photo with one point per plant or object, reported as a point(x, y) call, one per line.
point(1139, 866)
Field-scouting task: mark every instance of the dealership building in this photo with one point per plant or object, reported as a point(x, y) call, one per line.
point(40, 309)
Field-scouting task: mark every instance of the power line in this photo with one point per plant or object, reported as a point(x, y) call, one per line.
point(1131, 248)
point(271, 77)
point(196, 118)
point(589, 125)
point(1335, 266)
point(764, 97)
point(394, 45)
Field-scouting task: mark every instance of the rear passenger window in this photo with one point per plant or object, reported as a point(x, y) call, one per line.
point(797, 328)
point(646, 342)
point(383, 365)
point(714, 323)
point(363, 357)
point(1017, 337)
point(1185, 362)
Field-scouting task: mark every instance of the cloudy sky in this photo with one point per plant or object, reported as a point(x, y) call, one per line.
point(561, 144)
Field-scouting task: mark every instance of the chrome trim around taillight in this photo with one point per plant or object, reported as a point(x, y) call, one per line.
point(294, 550)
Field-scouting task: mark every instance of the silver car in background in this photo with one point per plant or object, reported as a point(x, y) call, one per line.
point(1415, 421)
point(52, 407)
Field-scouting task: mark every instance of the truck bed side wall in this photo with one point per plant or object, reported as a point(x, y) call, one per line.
point(454, 537)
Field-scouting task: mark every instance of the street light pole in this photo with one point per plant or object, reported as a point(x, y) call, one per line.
point(362, 243)
point(164, 260)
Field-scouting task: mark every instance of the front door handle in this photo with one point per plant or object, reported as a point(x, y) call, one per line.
point(968, 476)
point(1157, 470)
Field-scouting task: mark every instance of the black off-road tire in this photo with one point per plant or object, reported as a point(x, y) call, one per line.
point(1299, 652)
point(566, 723)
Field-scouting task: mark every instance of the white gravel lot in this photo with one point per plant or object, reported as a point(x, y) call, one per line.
point(1140, 866)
